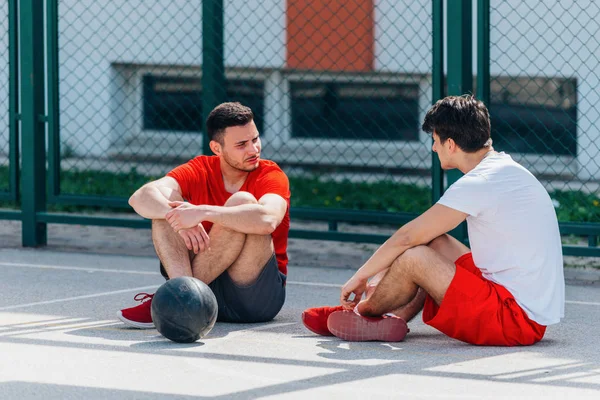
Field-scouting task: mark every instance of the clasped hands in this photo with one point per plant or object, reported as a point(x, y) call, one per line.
point(185, 219)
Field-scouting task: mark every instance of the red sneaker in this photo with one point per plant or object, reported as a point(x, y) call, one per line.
point(348, 325)
point(139, 316)
point(315, 319)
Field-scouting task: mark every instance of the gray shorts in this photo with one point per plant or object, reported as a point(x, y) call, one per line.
point(258, 302)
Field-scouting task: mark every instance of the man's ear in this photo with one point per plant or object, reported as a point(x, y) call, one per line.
point(215, 147)
point(452, 147)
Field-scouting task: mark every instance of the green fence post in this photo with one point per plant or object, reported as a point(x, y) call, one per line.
point(213, 64)
point(483, 51)
point(53, 111)
point(437, 88)
point(460, 57)
point(460, 68)
point(32, 122)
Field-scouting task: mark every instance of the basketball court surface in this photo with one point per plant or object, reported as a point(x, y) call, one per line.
point(60, 339)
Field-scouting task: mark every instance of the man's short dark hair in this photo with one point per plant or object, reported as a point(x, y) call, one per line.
point(224, 116)
point(464, 119)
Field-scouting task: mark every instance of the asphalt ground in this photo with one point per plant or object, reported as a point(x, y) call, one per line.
point(60, 339)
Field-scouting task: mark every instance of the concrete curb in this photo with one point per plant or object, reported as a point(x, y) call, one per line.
point(582, 275)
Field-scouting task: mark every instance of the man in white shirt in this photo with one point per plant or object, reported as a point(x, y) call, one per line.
point(503, 291)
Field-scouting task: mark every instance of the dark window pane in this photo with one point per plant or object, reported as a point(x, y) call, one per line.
point(251, 94)
point(530, 129)
point(355, 111)
point(534, 114)
point(175, 104)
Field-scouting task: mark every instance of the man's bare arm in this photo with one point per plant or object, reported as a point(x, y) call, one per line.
point(258, 219)
point(152, 200)
point(432, 223)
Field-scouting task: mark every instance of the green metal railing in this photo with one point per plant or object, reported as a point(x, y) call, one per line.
point(197, 54)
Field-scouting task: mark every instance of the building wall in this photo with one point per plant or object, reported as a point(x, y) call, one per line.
point(403, 36)
point(96, 35)
point(107, 46)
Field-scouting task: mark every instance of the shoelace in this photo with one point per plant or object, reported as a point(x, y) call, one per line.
point(143, 297)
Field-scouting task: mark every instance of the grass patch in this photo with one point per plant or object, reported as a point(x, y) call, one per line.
point(572, 206)
point(576, 206)
point(380, 196)
point(99, 183)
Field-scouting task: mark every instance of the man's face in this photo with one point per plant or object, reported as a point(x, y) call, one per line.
point(441, 150)
point(241, 147)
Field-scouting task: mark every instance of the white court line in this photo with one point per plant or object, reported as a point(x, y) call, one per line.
point(120, 271)
point(43, 266)
point(87, 296)
point(62, 267)
point(585, 303)
point(59, 327)
point(335, 285)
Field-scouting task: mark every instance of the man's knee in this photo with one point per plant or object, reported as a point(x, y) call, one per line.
point(413, 261)
point(240, 198)
point(411, 257)
point(162, 233)
point(448, 247)
point(160, 225)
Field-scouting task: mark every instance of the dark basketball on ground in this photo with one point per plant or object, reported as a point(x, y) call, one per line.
point(184, 309)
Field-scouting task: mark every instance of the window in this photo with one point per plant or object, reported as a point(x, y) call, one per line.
point(175, 103)
point(534, 115)
point(355, 110)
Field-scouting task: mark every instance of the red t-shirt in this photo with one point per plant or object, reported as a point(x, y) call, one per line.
point(201, 182)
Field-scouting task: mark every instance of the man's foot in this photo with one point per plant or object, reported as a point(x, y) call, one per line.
point(315, 319)
point(139, 316)
point(348, 325)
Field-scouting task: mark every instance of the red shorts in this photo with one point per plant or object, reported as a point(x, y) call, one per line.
point(478, 311)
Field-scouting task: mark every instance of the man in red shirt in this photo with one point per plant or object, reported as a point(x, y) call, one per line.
point(223, 219)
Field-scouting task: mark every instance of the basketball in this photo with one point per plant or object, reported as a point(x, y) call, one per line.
point(184, 309)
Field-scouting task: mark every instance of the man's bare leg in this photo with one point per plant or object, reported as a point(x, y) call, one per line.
point(257, 251)
point(406, 312)
point(171, 249)
point(448, 247)
point(413, 308)
point(445, 245)
point(242, 255)
point(419, 267)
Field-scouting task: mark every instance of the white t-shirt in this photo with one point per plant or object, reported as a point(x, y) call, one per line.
point(513, 233)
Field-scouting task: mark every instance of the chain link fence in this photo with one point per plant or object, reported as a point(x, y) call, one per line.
point(545, 78)
point(4, 100)
point(339, 90)
point(129, 106)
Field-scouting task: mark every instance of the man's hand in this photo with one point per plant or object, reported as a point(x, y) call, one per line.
point(195, 238)
point(357, 286)
point(183, 215)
